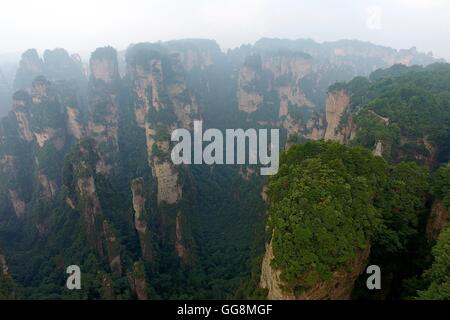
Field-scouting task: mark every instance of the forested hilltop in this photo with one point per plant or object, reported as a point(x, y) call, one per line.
point(377, 196)
point(86, 177)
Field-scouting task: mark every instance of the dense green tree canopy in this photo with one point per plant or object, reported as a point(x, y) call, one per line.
point(321, 209)
point(405, 108)
point(439, 274)
point(441, 184)
point(330, 201)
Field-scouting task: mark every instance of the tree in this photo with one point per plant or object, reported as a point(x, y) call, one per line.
point(439, 274)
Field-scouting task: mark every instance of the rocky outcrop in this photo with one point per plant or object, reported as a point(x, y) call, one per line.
point(59, 65)
point(155, 93)
point(336, 106)
point(18, 203)
point(249, 101)
point(22, 116)
point(162, 103)
point(7, 285)
point(292, 96)
point(28, 111)
point(113, 249)
point(74, 125)
point(184, 103)
point(286, 70)
point(104, 105)
point(249, 94)
point(105, 132)
point(5, 93)
point(180, 247)
point(315, 127)
point(294, 64)
point(438, 220)
point(351, 56)
point(104, 65)
point(193, 59)
point(339, 287)
point(195, 54)
point(274, 81)
point(425, 152)
point(137, 281)
point(49, 188)
point(43, 136)
point(165, 87)
point(90, 208)
point(40, 90)
point(169, 190)
point(270, 278)
point(378, 151)
point(8, 165)
point(3, 265)
point(106, 286)
point(430, 157)
point(140, 224)
point(31, 66)
point(56, 65)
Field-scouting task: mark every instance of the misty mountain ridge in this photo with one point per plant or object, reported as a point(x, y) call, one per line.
point(86, 176)
point(61, 61)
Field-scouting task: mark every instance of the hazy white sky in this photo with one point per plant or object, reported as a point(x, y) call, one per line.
point(82, 25)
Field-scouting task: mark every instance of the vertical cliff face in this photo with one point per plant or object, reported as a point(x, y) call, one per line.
point(180, 247)
point(45, 187)
point(427, 152)
point(250, 93)
point(46, 120)
point(337, 105)
point(280, 73)
point(277, 88)
point(315, 127)
point(193, 59)
point(5, 93)
point(270, 278)
point(3, 265)
point(89, 206)
point(339, 287)
point(7, 286)
point(140, 224)
point(21, 101)
point(104, 65)
point(169, 189)
point(104, 91)
point(295, 65)
point(195, 54)
point(18, 203)
point(68, 150)
point(185, 105)
point(40, 114)
point(31, 66)
point(438, 220)
point(10, 170)
point(106, 287)
point(75, 126)
point(84, 197)
point(112, 248)
point(350, 57)
point(47, 112)
point(36, 132)
point(162, 103)
point(56, 65)
point(138, 282)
